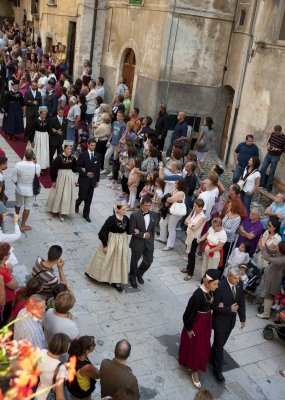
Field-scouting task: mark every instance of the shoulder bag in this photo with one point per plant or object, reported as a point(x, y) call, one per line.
point(36, 183)
point(51, 395)
point(242, 182)
point(178, 208)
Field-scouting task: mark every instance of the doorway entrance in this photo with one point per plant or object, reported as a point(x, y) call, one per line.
point(70, 50)
point(129, 66)
point(48, 44)
point(224, 138)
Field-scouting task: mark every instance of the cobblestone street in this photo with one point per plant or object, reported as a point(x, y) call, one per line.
point(151, 317)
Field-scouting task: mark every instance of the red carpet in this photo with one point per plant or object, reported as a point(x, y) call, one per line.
point(19, 147)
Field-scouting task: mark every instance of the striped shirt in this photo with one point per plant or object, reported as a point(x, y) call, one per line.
point(45, 276)
point(278, 142)
point(30, 328)
point(231, 225)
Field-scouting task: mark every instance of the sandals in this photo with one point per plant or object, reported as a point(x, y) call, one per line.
point(282, 373)
point(184, 271)
point(188, 278)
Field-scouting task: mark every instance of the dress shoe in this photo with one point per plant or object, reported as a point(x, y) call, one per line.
point(219, 376)
point(87, 219)
point(196, 384)
point(117, 287)
point(76, 209)
point(134, 284)
point(140, 280)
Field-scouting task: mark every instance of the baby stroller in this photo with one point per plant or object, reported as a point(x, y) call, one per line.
point(278, 326)
point(255, 277)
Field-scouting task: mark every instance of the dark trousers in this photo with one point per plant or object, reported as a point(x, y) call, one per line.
point(116, 169)
point(135, 271)
point(217, 350)
point(52, 150)
point(6, 313)
point(87, 201)
point(29, 125)
point(124, 183)
point(101, 149)
point(191, 258)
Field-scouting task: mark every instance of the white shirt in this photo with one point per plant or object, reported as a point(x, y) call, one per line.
point(54, 324)
point(90, 154)
point(250, 181)
point(238, 257)
point(232, 286)
point(43, 81)
point(209, 197)
point(47, 366)
point(52, 76)
point(60, 120)
point(193, 220)
point(23, 176)
point(147, 220)
point(34, 92)
point(73, 112)
point(100, 91)
point(214, 238)
point(91, 102)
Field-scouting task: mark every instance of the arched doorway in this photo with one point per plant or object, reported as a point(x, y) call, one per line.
point(129, 66)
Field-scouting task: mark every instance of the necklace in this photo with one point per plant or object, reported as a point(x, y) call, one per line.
point(208, 296)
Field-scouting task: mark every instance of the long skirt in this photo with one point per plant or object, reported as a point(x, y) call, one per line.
point(13, 123)
point(61, 199)
point(195, 353)
point(111, 267)
point(41, 149)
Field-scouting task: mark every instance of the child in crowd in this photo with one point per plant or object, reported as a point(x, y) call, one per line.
point(243, 275)
point(133, 182)
point(148, 189)
point(279, 299)
point(156, 200)
point(238, 256)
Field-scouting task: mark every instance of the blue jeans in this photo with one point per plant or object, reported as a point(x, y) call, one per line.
point(272, 161)
point(237, 173)
point(246, 199)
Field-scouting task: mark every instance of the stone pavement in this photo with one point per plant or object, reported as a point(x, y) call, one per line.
point(151, 317)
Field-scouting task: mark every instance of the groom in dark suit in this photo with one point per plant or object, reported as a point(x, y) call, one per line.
point(228, 302)
point(88, 166)
point(57, 133)
point(32, 101)
point(142, 228)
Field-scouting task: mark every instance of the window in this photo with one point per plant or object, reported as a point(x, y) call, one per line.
point(282, 29)
point(136, 2)
point(242, 17)
point(16, 3)
point(52, 3)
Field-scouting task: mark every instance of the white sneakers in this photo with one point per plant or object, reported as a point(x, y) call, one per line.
point(166, 248)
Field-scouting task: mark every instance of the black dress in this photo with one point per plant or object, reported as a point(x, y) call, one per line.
point(195, 353)
point(111, 267)
point(13, 123)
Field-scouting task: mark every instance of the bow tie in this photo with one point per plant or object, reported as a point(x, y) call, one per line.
point(145, 213)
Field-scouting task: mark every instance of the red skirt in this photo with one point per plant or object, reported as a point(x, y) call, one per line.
point(195, 353)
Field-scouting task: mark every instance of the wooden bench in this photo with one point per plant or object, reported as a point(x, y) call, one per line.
point(278, 187)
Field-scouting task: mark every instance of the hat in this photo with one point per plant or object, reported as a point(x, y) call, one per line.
point(212, 274)
point(43, 109)
point(121, 201)
point(67, 143)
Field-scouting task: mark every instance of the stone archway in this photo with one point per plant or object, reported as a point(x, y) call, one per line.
point(129, 67)
point(129, 52)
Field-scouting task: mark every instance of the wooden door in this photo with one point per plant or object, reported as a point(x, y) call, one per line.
point(71, 41)
point(48, 44)
point(224, 138)
point(129, 66)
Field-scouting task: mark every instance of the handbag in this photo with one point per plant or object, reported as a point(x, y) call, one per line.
point(51, 395)
point(202, 143)
point(178, 208)
point(36, 183)
point(242, 182)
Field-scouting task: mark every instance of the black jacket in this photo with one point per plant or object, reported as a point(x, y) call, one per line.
point(56, 139)
point(84, 165)
point(137, 222)
point(223, 318)
point(32, 109)
point(52, 102)
point(161, 125)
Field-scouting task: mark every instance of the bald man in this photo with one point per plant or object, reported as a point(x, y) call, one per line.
point(179, 132)
point(116, 374)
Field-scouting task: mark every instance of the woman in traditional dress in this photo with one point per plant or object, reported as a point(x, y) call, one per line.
point(109, 263)
point(13, 124)
point(61, 199)
point(195, 345)
point(39, 139)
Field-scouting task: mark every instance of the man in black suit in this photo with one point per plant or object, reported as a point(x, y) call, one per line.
point(88, 166)
point(228, 302)
point(142, 228)
point(32, 101)
point(51, 99)
point(57, 133)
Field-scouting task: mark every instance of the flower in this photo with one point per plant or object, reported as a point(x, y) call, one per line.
point(34, 308)
point(71, 368)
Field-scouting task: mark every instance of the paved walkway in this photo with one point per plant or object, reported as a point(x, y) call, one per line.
point(151, 317)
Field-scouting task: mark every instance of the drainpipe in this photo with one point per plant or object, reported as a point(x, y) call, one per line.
point(171, 63)
point(93, 30)
point(242, 79)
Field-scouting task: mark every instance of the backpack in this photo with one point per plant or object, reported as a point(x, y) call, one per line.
point(36, 184)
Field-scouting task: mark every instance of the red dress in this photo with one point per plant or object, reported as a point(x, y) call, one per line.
point(195, 353)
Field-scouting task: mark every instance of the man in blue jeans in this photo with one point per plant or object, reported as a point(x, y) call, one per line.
point(275, 148)
point(242, 154)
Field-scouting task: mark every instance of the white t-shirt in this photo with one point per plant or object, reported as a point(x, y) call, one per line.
point(73, 112)
point(250, 181)
point(209, 197)
point(47, 366)
point(214, 238)
point(43, 80)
